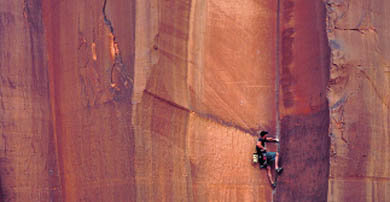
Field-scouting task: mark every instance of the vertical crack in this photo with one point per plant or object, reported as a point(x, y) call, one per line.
point(119, 76)
point(277, 78)
point(381, 97)
point(106, 20)
point(277, 70)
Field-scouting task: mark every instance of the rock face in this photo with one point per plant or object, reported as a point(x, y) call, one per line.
point(359, 100)
point(90, 57)
point(28, 166)
point(303, 104)
point(202, 95)
point(134, 100)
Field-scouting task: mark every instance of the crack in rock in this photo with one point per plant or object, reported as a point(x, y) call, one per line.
point(340, 123)
point(361, 30)
point(117, 66)
point(338, 11)
point(376, 90)
point(212, 117)
point(106, 20)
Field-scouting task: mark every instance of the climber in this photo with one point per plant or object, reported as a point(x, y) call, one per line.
point(270, 157)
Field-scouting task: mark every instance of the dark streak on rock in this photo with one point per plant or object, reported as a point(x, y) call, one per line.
point(287, 80)
point(39, 85)
point(358, 29)
point(340, 102)
point(2, 194)
point(120, 77)
point(106, 20)
point(2, 106)
point(204, 115)
point(288, 6)
point(305, 177)
point(340, 123)
point(11, 84)
point(32, 13)
point(6, 19)
point(338, 108)
point(334, 44)
point(5, 142)
point(304, 139)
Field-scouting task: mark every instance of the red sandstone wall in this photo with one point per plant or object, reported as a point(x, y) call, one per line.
point(203, 65)
point(202, 96)
point(156, 100)
point(223, 85)
point(90, 63)
point(28, 166)
point(303, 103)
point(359, 100)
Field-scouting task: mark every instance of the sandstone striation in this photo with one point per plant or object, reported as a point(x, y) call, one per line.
point(202, 96)
point(134, 100)
point(303, 104)
point(359, 100)
point(90, 68)
point(28, 166)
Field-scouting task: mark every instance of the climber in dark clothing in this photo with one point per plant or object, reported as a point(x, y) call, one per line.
point(269, 157)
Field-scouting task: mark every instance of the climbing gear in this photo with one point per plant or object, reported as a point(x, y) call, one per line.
point(255, 158)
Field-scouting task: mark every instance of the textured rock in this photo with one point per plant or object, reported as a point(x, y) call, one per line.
point(90, 64)
point(203, 67)
point(304, 111)
point(158, 100)
point(227, 89)
point(359, 100)
point(28, 166)
point(202, 96)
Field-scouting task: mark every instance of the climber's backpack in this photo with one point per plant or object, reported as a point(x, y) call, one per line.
point(259, 157)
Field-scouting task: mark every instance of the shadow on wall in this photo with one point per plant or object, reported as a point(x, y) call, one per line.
point(2, 195)
point(305, 153)
point(5, 195)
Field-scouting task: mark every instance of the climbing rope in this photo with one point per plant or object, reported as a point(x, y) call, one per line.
point(277, 84)
point(277, 72)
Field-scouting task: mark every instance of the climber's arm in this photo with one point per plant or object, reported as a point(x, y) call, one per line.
point(271, 139)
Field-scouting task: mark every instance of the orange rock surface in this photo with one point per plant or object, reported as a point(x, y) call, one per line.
point(90, 70)
point(202, 96)
point(134, 100)
point(359, 101)
point(28, 166)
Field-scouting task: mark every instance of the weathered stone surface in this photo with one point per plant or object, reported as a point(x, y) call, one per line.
point(204, 67)
point(125, 105)
point(28, 166)
point(220, 168)
point(162, 167)
point(304, 111)
point(359, 100)
point(157, 100)
point(90, 62)
point(204, 93)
